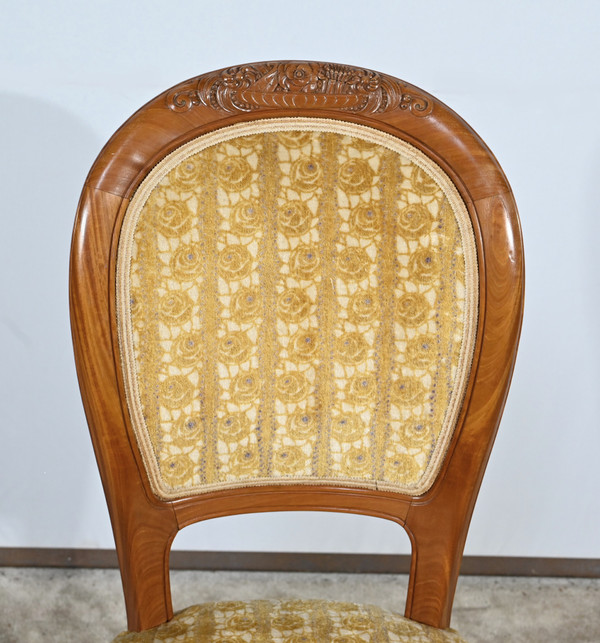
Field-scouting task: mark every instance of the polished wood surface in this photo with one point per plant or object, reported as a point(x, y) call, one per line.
point(436, 522)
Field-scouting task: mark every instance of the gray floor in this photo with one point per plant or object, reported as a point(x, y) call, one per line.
point(55, 605)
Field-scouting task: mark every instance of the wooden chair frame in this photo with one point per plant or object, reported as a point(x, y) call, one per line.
point(436, 522)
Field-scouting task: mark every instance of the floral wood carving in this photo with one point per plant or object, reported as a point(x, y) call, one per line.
point(298, 85)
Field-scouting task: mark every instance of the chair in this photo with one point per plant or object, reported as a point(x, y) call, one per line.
point(294, 286)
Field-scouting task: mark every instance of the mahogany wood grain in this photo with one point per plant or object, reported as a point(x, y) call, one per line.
point(437, 522)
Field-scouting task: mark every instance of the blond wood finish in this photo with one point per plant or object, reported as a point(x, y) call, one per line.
point(436, 522)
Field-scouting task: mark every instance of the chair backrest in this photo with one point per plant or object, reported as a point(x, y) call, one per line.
point(294, 286)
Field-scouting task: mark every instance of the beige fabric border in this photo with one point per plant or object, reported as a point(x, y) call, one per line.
point(123, 297)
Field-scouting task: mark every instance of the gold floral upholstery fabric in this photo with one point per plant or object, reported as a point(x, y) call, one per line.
point(294, 621)
point(297, 301)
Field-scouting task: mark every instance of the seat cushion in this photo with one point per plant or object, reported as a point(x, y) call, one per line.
point(289, 621)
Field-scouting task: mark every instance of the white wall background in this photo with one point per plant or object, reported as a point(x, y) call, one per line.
point(524, 74)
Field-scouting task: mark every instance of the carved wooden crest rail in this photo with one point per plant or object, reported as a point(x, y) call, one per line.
point(303, 85)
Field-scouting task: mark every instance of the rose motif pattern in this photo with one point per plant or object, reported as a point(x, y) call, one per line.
point(416, 433)
point(361, 144)
point(304, 262)
point(188, 429)
point(407, 391)
point(402, 464)
point(295, 305)
point(245, 387)
point(356, 462)
point(294, 218)
point(366, 220)
point(234, 348)
point(361, 389)
point(352, 348)
point(246, 141)
point(177, 468)
point(414, 221)
point(176, 391)
point(234, 426)
point(245, 460)
point(187, 351)
point(294, 621)
point(425, 266)
point(421, 351)
point(423, 182)
point(174, 219)
point(355, 176)
point(234, 174)
point(354, 264)
point(301, 425)
point(347, 428)
point(303, 345)
point(413, 309)
point(288, 621)
point(186, 262)
point(291, 387)
point(288, 460)
point(245, 305)
point(306, 174)
point(363, 307)
point(174, 307)
point(186, 175)
point(234, 262)
point(356, 621)
point(246, 218)
point(295, 139)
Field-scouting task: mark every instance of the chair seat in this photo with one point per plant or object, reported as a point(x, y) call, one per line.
point(289, 621)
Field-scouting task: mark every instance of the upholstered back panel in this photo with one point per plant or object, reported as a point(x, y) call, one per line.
point(297, 302)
